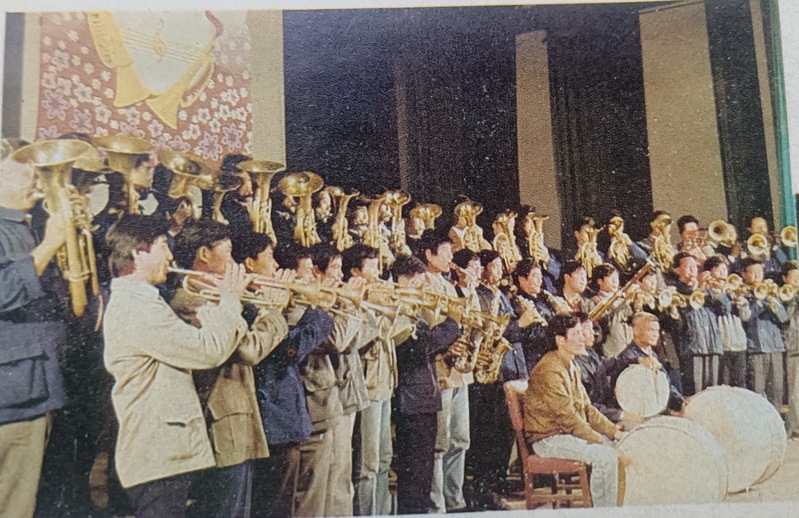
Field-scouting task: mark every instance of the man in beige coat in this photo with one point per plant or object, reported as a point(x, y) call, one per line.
point(227, 393)
point(151, 354)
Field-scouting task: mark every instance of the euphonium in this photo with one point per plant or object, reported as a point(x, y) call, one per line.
point(302, 186)
point(788, 236)
point(429, 212)
point(504, 242)
point(53, 160)
point(495, 345)
point(261, 172)
point(123, 154)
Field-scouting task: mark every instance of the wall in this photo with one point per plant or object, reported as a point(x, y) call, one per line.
point(684, 155)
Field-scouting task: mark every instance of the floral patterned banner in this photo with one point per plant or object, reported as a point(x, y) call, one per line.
point(179, 80)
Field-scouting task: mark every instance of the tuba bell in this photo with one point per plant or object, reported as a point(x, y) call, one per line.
point(125, 154)
point(187, 170)
point(53, 161)
point(428, 212)
point(341, 235)
point(262, 172)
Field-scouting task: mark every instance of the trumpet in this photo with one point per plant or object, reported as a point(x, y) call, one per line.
point(787, 293)
point(758, 246)
point(624, 295)
point(53, 160)
point(788, 236)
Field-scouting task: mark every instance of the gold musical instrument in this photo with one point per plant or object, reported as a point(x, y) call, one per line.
point(495, 345)
point(528, 306)
point(787, 292)
point(302, 186)
point(341, 234)
point(262, 172)
point(662, 251)
point(559, 304)
point(758, 246)
point(470, 236)
point(428, 212)
point(124, 154)
point(720, 232)
point(624, 295)
point(619, 249)
point(788, 236)
point(535, 241)
point(504, 239)
point(372, 236)
point(670, 299)
point(187, 171)
point(223, 182)
point(53, 161)
point(588, 254)
point(395, 200)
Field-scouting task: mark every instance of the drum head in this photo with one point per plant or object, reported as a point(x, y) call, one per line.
point(642, 391)
point(749, 429)
point(672, 460)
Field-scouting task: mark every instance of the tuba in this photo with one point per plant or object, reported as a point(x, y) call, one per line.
point(472, 234)
point(53, 160)
point(123, 154)
point(341, 234)
point(262, 172)
point(504, 242)
point(535, 241)
point(395, 200)
point(303, 186)
point(429, 212)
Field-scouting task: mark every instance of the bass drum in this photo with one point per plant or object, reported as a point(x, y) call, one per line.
point(671, 460)
point(749, 429)
point(642, 391)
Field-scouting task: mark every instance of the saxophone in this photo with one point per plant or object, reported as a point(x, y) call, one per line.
point(559, 304)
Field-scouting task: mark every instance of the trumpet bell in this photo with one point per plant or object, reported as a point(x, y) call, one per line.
point(787, 292)
point(757, 245)
point(697, 299)
point(300, 184)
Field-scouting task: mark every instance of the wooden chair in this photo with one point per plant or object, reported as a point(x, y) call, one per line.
point(567, 475)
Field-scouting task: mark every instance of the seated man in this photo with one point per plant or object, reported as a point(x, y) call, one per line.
point(646, 333)
point(559, 419)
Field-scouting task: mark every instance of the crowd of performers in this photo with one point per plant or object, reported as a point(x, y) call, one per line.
point(237, 366)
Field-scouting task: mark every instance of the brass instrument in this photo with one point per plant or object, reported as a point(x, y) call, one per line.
point(720, 232)
point(123, 153)
point(494, 344)
point(670, 299)
point(535, 241)
point(341, 234)
point(53, 160)
point(223, 183)
point(788, 236)
point(620, 296)
point(528, 306)
point(303, 186)
point(619, 249)
point(395, 200)
point(588, 254)
point(504, 241)
point(559, 304)
point(429, 212)
point(472, 235)
point(262, 172)
point(187, 171)
point(662, 250)
point(787, 293)
point(758, 246)
point(372, 236)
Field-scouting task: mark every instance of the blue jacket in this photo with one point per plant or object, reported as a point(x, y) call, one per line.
point(697, 331)
point(281, 395)
point(418, 391)
point(32, 328)
point(534, 339)
point(763, 333)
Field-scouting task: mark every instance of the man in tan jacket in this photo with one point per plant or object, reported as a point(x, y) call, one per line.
point(227, 393)
point(559, 419)
point(151, 354)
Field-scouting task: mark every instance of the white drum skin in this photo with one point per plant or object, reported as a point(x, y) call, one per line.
point(642, 391)
point(672, 460)
point(749, 429)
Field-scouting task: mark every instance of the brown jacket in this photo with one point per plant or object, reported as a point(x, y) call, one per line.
point(556, 403)
point(228, 393)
